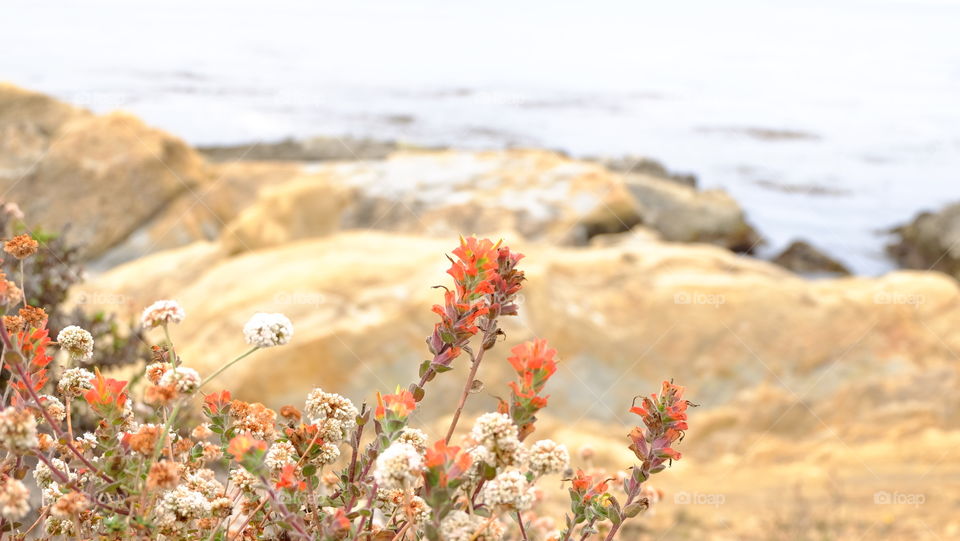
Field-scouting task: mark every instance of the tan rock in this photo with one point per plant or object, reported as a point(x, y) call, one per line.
point(103, 175)
point(743, 335)
point(682, 213)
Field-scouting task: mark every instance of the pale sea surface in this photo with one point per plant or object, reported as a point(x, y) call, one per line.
point(829, 121)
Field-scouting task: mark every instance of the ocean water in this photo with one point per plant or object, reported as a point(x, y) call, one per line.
point(829, 121)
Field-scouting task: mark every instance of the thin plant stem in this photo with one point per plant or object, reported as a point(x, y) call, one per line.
point(226, 366)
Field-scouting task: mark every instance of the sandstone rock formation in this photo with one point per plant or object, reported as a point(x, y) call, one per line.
point(931, 241)
point(105, 175)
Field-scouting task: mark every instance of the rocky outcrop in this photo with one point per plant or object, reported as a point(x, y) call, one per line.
point(538, 195)
point(744, 335)
point(803, 258)
point(931, 241)
point(305, 150)
point(683, 214)
point(103, 175)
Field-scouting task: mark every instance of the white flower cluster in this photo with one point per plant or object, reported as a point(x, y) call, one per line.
point(548, 456)
point(329, 453)
point(242, 479)
point(267, 330)
point(18, 430)
point(395, 500)
point(415, 437)
point(323, 406)
point(499, 435)
point(280, 454)
point(185, 380)
point(59, 527)
point(45, 477)
point(205, 482)
point(14, 499)
point(162, 313)
point(74, 382)
point(398, 467)
point(77, 342)
point(509, 489)
point(180, 505)
point(54, 407)
point(459, 526)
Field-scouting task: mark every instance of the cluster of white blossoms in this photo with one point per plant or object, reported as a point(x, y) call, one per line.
point(75, 382)
point(18, 430)
point(180, 505)
point(242, 479)
point(415, 437)
point(162, 313)
point(183, 379)
point(459, 526)
point(54, 407)
point(395, 502)
point(14, 499)
point(77, 342)
point(280, 454)
point(509, 489)
point(548, 456)
point(497, 433)
point(398, 467)
point(324, 407)
point(267, 330)
point(44, 476)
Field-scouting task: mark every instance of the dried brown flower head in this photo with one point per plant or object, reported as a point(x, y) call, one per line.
point(21, 246)
point(144, 439)
point(34, 316)
point(290, 413)
point(70, 504)
point(163, 475)
point(159, 395)
point(13, 324)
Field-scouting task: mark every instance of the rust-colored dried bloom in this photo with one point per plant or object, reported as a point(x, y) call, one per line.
point(254, 418)
point(201, 432)
point(36, 317)
point(144, 439)
point(70, 504)
point(13, 324)
point(290, 413)
point(163, 475)
point(159, 395)
point(10, 294)
point(21, 246)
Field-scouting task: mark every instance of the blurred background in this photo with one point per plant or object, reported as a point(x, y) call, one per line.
point(758, 199)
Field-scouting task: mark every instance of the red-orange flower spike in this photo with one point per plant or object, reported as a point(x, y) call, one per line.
point(215, 402)
point(106, 393)
point(534, 363)
point(664, 421)
point(288, 478)
point(401, 404)
point(242, 444)
point(445, 463)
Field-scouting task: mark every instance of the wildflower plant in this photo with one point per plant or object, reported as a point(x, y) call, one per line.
point(331, 470)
